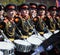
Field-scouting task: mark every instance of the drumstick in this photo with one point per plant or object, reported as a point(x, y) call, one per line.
point(3, 34)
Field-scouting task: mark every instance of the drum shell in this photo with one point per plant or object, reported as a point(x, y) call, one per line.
point(1, 53)
point(34, 47)
point(23, 48)
point(35, 41)
point(9, 50)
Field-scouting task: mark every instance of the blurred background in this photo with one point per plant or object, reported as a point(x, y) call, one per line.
point(47, 2)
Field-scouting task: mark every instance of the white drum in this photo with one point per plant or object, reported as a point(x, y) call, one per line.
point(56, 31)
point(22, 45)
point(7, 48)
point(34, 41)
point(48, 35)
point(1, 53)
point(39, 37)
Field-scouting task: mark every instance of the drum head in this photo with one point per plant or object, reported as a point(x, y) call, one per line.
point(56, 31)
point(47, 35)
point(22, 42)
point(1, 53)
point(6, 46)
point(39, 37)
point(34, 40)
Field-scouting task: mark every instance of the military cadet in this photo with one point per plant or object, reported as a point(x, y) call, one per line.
point(53, 10)
point(25, 18)
point(48, 44)
point(1, 16)
point(21, 16)
point(58, 17)
point(2, 24)
point(53, 13)
point(33, 10)
point(10, 27)
point(49, 20)
point(41, 17)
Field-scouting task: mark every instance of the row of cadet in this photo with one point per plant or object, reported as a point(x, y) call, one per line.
point(26, 19)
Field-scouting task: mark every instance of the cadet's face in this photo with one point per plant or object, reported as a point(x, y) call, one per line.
point(42, 12)
point(11, 13)
point(33, 13)
point(53, 12)
point(25, 12)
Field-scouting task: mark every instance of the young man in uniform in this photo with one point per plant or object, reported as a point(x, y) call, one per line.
point(25, 18)
point(40, 24)
point(2, 24)
point(51, 21)
point(33, 10)
point(10, 28)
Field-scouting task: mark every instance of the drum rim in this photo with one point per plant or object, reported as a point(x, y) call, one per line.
point(22, 43)
point(36, 43)
point(6, 47)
